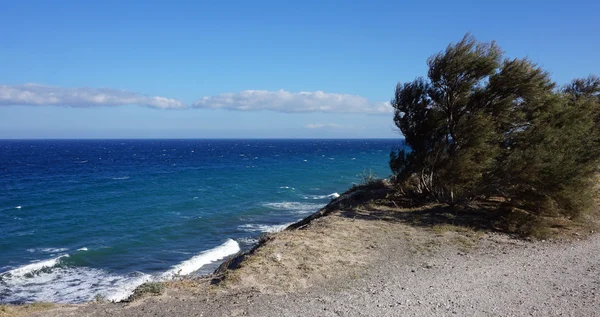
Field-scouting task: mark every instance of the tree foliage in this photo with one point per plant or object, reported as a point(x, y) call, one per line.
point(482, 125)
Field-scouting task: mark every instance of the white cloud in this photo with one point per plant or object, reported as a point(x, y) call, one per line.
point(285, 101)
point(248, 100)
point(323, 125)
point(40, 95)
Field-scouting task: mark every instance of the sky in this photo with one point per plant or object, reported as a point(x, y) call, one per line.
point(253, 69)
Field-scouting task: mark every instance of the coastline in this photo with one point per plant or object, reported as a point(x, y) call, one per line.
point(350, 259)
point(137, 210)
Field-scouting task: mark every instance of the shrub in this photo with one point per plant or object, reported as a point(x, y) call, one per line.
point(481, 126)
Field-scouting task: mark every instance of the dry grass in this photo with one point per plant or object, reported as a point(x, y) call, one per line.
point(330, 248)
point(340, 246)
point(24, 310)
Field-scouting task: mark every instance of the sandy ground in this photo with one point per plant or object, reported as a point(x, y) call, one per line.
point(344, 265)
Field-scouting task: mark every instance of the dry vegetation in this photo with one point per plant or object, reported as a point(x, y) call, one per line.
point(339, 241)
point(24, 310)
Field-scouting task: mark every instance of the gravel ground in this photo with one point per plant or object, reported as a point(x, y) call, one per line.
point(499, 276)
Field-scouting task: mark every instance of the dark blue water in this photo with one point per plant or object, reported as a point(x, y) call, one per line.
point(98, 217)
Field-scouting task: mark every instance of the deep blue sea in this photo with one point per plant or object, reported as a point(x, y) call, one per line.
point(87, 218)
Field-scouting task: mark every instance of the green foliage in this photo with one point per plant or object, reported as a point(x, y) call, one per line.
point(482, 126)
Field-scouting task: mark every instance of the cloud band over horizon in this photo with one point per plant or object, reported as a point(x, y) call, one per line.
point(289, 102)
point(247, 100)
point(41, 95)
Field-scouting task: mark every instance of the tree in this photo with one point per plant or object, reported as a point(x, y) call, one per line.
point(482, 126)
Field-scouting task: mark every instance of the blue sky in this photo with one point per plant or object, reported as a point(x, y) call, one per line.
point(259, 69)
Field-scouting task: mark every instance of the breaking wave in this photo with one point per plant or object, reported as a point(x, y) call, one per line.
point(53, 280)
point(296, 207)
point(209, 256)
point(264, 228)
point(330, 196)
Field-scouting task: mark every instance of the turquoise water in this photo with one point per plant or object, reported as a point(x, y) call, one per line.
point(99, 217)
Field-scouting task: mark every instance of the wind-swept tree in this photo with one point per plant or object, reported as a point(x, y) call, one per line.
point(482, 126)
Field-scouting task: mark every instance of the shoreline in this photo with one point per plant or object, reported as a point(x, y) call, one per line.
point(348, 260)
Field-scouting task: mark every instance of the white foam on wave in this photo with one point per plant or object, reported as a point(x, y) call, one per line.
point(53, 250)
point(34, 267)
point(120, 178)
point(124, 287)
point(294, 206)
point(67, 284)
point(209, 256)
point(331, 196)
point(50, 281)
point(18, 207)
point(47, 250)
point(250, 241)
point(252, 227)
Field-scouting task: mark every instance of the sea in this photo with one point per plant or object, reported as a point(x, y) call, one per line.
point(88, 219)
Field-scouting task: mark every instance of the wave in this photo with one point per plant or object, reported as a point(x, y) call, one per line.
point(47, 250)
point(209, 256)
point(54, 281)
point(49, 281)
point(33, 267)
point(121, 178)
point(296, 207)
point(330, 196)
point(264, 228)
point(53, 250)
point(124, 287)
point(249, 241)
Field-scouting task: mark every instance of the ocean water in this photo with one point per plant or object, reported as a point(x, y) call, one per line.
point(87, 218)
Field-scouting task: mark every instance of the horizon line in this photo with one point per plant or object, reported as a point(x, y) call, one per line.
point(217, 138)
